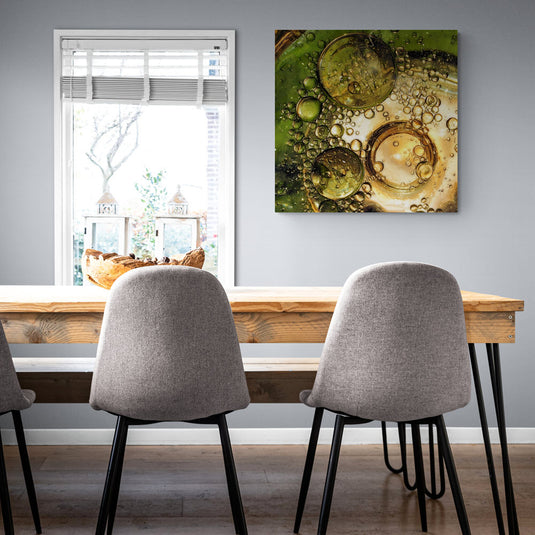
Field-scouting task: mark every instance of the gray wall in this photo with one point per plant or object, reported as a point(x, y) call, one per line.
point(488, 244)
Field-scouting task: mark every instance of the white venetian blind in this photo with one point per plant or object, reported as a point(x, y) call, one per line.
point(145, 70)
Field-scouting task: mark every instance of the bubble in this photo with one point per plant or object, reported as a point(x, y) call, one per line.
point(438, 117)
point(337, 173)
point(349, 131)
point(451, 123)
point(356, 145)
point(378, 166)
point(309, 82)
point(419, 150)
point(380, 107)
point(310, 36)
point(417, 110)
point(299, 148)
point(369, 114)
point(395, 146)
point(366, 187)
point(322, 131)
point(359, 197)
point(414, 208)
point(427, 117)
point(328, 206)
point(357, 70)
point(424, 170)
point(337, 130)
point(308, 109)
point(407, 110)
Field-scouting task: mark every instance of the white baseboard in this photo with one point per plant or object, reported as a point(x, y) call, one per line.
point(160, 436)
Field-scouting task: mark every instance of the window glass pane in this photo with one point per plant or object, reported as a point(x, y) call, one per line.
point(135, 157)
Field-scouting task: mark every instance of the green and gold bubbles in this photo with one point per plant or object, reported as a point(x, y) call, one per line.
point(357, 70)
point(366, 121)
point(337, 173)
point(308, 109)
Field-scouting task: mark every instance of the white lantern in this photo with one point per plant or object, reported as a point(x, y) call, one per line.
point(177, 234)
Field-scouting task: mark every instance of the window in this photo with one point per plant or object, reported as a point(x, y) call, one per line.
point(144, 146)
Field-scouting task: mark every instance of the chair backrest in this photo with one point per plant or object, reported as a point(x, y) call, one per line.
point(168, 349)
point(11, 396)
point(396, 349)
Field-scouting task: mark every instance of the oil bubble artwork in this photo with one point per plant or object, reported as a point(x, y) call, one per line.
point(366, 121)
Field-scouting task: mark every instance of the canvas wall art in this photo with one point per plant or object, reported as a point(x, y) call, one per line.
point(366, 121)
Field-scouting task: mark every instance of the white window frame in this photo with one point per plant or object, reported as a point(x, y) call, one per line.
point(63, 268)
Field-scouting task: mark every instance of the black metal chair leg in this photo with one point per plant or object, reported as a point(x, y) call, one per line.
point(420, 474)
point(493, 353)
point(403, 449)
point(238, 515)
point(452, 475)
point(331, 475)
point(4, 494)
point(385, 452)
point(26, 469)
point(309, 463)
point(486, 439)
point(106, 495)
point(116, 480)
point(435, 494)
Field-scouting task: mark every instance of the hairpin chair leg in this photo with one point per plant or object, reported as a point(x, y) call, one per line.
point(4, 495)
point(331, 474)
point(121, 430)
point(403, 448)
point(240, 525)
point(385, 452)
point(452, 475)
point(433, 493)
point(486, 439)
point(309, 463)
point(493, 353)
point(420, 474)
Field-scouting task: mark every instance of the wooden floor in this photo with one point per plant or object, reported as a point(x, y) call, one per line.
point(181, 489)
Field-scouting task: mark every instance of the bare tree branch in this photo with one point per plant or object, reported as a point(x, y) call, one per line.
point(118, 131)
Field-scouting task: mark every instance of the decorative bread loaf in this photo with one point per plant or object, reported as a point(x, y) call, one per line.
point(103, 269)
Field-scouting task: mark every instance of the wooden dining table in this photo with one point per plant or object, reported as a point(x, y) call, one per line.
point(73, 315)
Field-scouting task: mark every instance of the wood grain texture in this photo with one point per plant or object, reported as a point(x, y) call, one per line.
point(181, 489)
point(51, 328)
point(242, 299)
point(258, 327)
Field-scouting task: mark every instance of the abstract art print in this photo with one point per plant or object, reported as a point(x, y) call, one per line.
point(366, 121)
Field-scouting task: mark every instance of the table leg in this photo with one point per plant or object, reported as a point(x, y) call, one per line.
point(486, 439)
point(493, 354)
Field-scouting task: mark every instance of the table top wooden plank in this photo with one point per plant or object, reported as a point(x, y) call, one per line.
point(50, 299)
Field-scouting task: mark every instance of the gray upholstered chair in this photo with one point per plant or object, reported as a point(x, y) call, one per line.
point(14, 400)
point(396, 351)
point(168, 351)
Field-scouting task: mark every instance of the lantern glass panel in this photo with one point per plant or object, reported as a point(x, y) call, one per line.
point(178, 238)
point(105, 236)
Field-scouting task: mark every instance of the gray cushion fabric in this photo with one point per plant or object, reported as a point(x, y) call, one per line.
point(396, 349)
point(168, 350)
point(12, 398)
